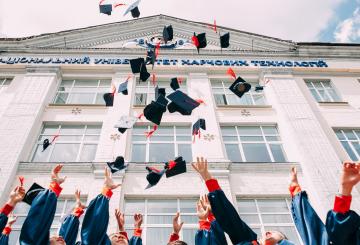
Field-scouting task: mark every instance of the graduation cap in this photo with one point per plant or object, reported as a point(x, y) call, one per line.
point(105, 8)
point(174, 84)
point(168, 33)
point(46, 144)
point(240, 87)
point(176, 167)
point(199, 41)
point(259, 88)
point(134, 9)
point(151, 57)
point(123, 88)
point(159, 91)
point(155, 110)
point(224, 40)
point(181, 103)
point(117, 165)
point(200, 124)
point(154, 176)
point(125, 122)
point(138, 66)
point(109, 99)
point(31, 194)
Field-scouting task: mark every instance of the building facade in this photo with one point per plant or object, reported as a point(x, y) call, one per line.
point(308, 116)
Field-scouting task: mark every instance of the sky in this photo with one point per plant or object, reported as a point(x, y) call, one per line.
point(296, 20)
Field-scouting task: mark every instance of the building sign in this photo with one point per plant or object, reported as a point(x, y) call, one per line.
point(165, 62)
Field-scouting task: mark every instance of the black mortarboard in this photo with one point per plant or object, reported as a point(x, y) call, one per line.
point(200, 40)
point(174, 84)
point(168, 33)
point(224, 40)
point(159, 91)
point(136, 65)
point(181, 103)
point(46, 144)
point(154, 176)
point(106, 9)
point(32, 193)
point(144, 74)
point(151, 57)
point(176, 167)
point(123, 88)
point(117, 165)
point(155, 110)
point(240, 87)
point(109, 99)
point(259, 88)
point(125, 122)
point(200, 124)
point(133, 8)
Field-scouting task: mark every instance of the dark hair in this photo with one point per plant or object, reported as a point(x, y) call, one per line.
point(178, 242)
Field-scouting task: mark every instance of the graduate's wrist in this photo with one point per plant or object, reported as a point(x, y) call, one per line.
point(345, 190)
point(11, 202)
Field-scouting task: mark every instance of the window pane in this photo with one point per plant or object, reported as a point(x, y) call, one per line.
point(350, 134)
point(188, 236)
point(162, 206)
point(50, 129)
point(333, 95)
point(250, 218)
point(185, 152)
point(189, 219)
point(232, 99)
point(276, 218)
point(83, 98)
point(93, 129)
point(183, 138)
point(251, 138)
point(230, 138)
point(161, 152)
point(134, 206)
point(272, 205)
point(39, 155)
point(21, 208)
point(277, 153)
point(356, 146)
point(61, 98)
point(247, 206)
point(140, 99)
point(105, 83)
point(64, 152)
point(228, 131)
point(188, 206)
point(183, 130)
point(63, 138)
point(349, 150)
point(88, 153)
point(233, 152)
point(256, 152)
point(156, 137)
point(159, 219)
point(220, 99)
point(138, 153)
point(340, 135)
point(156, 236)
point(92, 83)
point(249, 130)
point(72, 129)
point(166, 130)
point(268, 130)
point(99, 100)
point(259, 99)
point(315, 95)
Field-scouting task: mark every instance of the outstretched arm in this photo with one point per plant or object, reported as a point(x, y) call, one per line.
point(343, 224)
point(176, 228)
point(4, 238)
point(224, 212)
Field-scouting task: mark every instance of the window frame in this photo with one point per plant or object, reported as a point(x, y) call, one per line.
point(349, 141)
point(325, 89)
point(5, 83)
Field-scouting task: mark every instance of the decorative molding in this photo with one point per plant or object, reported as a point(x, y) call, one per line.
point(209, 137)
point(76, 111)
point(245, 113)
point(115, 137)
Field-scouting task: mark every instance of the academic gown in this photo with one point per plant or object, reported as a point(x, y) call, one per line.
point(210, 233)
point(342, 225)
point(36, 227)
point(4, 212)
point(228, 218)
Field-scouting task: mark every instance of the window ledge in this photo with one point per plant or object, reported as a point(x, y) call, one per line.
point(338, 103)
point(139, 106)
point(74, 105)
point(244, 106)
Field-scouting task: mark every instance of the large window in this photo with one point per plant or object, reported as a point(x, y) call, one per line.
point(76, 143)
point(158, 215)
point(145, 91)
point(322, 91)
point(350, 140)
point(82, 91)
point(4, 83)
point(63, 208)
point(268, 215)
point(224, 96)
point(253, 144)
point(166, 143)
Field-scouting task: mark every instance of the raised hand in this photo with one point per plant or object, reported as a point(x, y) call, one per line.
point(120, 220)
point(78, 203)
point(176, 225)
point(205, 203)
point(202, 211)
point(350, 177)
point(201, 166)
point(293, 177)
point(138, 219)
point(16, 195)
point(11, 220)
point(55, 174)
point(109, 183)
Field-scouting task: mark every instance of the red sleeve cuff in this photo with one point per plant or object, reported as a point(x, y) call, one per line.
point(342, 204)
point(107, 192)
point(78, 212)
point(56, 188)
point(211, 217)
point(7, 209)
point(137, 232)
point(6, 230)
point(173, 237)
point(204, 225)
point(124, 234)
point(212, 185)
point(294, 189)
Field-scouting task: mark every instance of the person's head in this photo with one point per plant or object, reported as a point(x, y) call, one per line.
point(57, 240)
point(177, 243)
point(241, 87)
point(272, 237)
point(118, 239)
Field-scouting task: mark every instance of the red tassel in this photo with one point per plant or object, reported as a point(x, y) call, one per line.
point(21, 179)
point(153, 80)
point(140, 116)
point(157, 50)
point(150, 133)
point(180, 80)
point(113, 89)
point(267, 81)
point(195, 41)
point(154, 169)
point(54, 138)
point(213, 27)
point(172, 164)
point(231, 72)
point(101, 2)
point(119, 4)
point(200, 101)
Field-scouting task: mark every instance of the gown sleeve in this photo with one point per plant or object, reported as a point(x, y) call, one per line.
point(136, 238)
point(4, 238)
point(210, 233)
point(4, 212)
point(70, 227)
point(310, 227)
point(343, 224)
point(36, 227)
point(227, 216)
point(96, 220)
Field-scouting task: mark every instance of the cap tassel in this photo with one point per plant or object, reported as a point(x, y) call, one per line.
point(113, 89)
point(21, 179)
point(154, 169)
point(119, 4)
point(54, 138)
point(180, 80)
point(157, 50)
point(231, 72)
point(267, 81)
point(171, 164)
point(151, 132)
point(153, 80)
point(213, 26)
point(140, 116)
point(200, 101)
point(197, 132)
point(101, 2)
point(195, 41)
